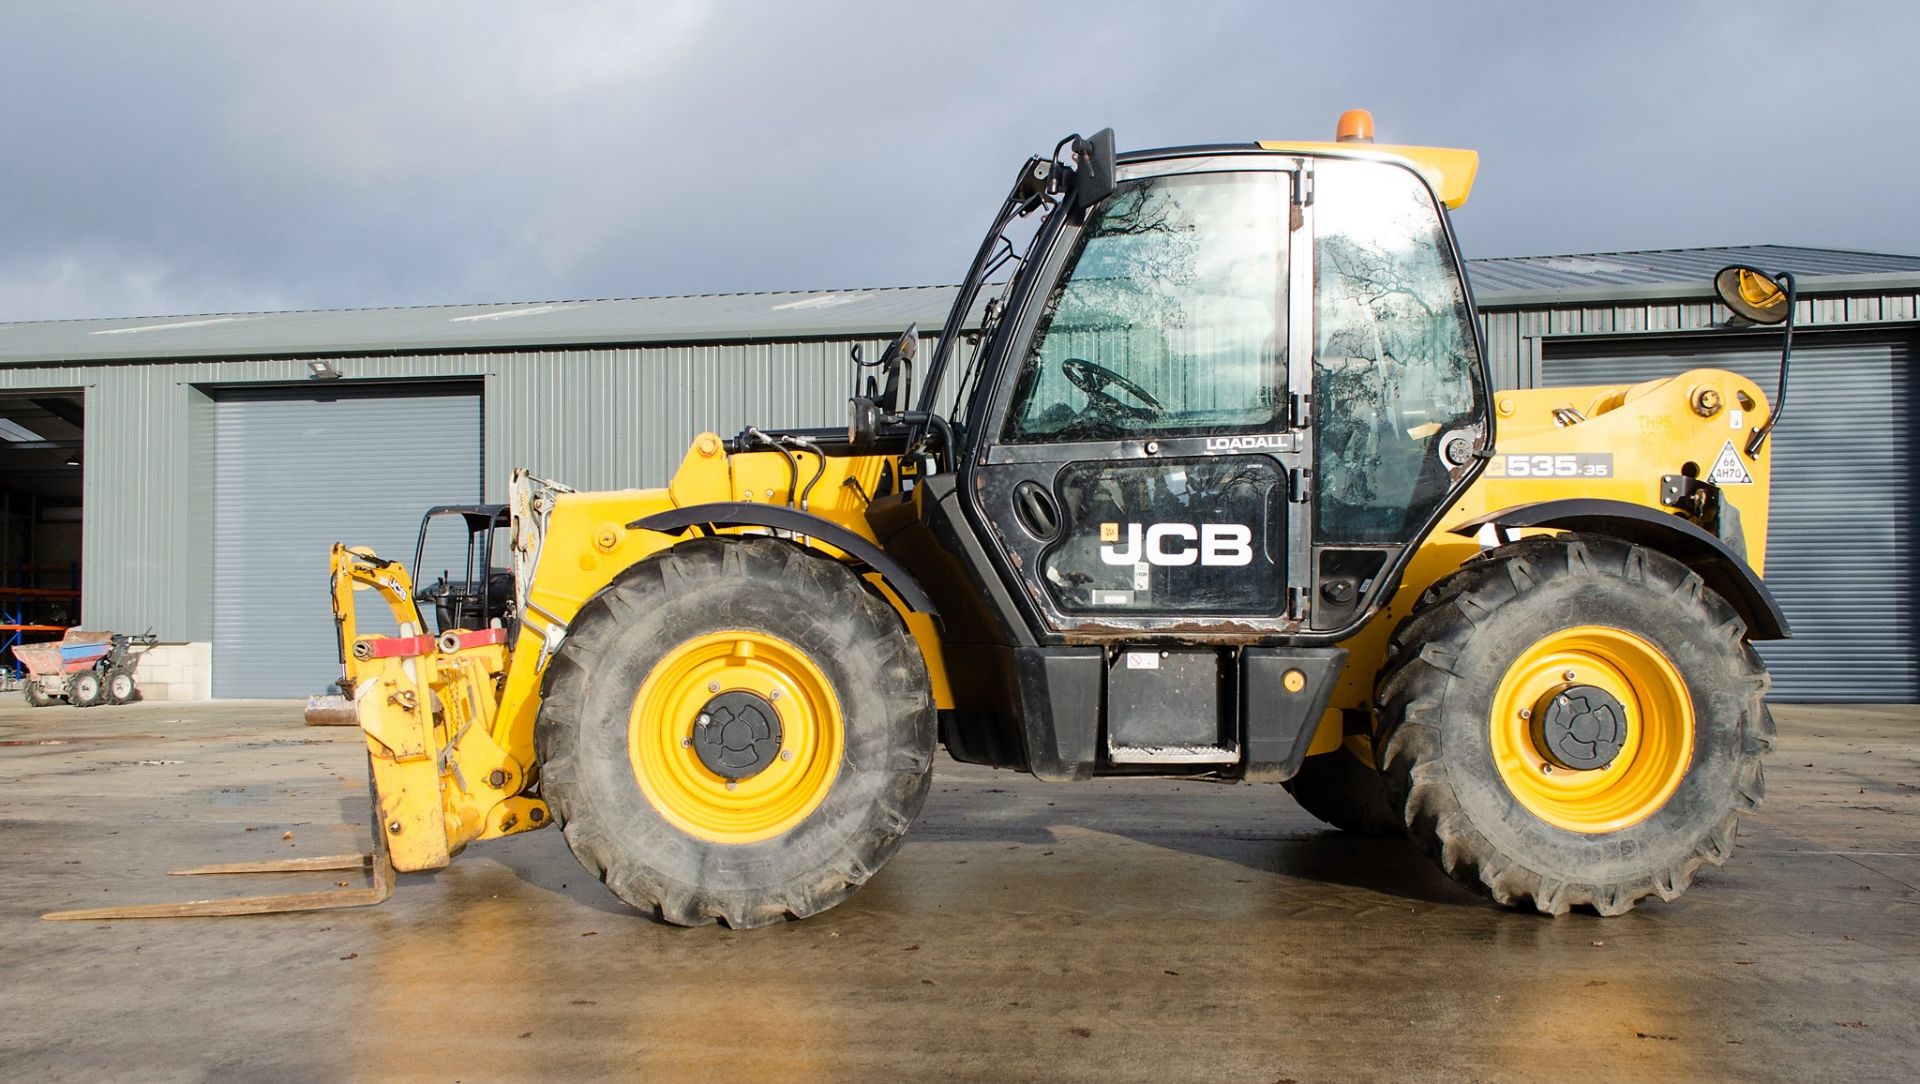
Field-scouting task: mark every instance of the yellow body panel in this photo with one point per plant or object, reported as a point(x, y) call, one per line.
point(1450, 170)
point(451, 733)
point(1649, 430)
point(586, 544)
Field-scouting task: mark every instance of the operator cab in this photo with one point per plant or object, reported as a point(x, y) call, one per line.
point(1223, 395)
point(482, 595)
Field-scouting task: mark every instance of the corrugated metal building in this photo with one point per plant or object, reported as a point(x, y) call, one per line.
point(210, 468)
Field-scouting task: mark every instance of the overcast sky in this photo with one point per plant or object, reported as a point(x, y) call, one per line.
point(187, 157)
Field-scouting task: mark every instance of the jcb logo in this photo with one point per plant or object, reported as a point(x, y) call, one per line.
point(1221, 544)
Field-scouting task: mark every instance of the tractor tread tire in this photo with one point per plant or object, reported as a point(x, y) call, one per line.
point(773, 586)
point(1437, 684)
point(1344, 791)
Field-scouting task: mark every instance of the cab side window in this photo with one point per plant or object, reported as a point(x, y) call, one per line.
point(1170, 318)
point(1394, 366)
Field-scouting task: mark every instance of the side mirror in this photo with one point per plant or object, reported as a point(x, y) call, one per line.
point(1761, 298)
point(1092, 170)
point(869, 410)
point(1752, 294)
point(897, 362)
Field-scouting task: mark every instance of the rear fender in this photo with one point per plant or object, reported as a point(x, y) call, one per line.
point(1710, 558)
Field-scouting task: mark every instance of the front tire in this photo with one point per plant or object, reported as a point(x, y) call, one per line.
point(121, 688)
point(37, 695)
point(1574, 721)
point(737, 729)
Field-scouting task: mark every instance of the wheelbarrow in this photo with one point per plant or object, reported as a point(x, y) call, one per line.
point(83, 667)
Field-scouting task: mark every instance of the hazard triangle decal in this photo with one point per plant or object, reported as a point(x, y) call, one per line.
point(1728, 470)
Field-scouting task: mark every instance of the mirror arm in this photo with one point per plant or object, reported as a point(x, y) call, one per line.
point(1758, 438)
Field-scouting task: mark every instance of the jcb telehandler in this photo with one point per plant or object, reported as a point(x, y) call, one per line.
point(1216, 486)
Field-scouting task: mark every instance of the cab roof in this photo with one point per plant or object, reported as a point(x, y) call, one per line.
point(1450, 170)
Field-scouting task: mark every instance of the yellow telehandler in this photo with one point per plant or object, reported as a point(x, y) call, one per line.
point(1216, 486)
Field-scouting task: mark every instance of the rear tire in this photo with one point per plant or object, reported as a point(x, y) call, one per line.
point(644, 807)
point(1474, 787)
point(37, 694)
point(1347, 793)
point(87, 689)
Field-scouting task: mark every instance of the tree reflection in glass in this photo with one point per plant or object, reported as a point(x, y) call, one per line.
point(1393, 360)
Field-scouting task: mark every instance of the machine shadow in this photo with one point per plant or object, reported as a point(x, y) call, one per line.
point(1300, 851)
point(1387, 867)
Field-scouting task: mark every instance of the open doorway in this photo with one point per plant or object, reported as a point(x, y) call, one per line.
point(42, 437)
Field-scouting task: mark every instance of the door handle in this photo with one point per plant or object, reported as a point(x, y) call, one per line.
point(1033, 506)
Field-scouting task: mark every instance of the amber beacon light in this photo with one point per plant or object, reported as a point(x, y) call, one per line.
point(1356, 126)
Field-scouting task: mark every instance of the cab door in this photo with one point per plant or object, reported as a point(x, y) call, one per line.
point(1140, 460)
point(1400, 402)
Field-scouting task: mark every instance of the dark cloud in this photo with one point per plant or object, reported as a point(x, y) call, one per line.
point(193, 157)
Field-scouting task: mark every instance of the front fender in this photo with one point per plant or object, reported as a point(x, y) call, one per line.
point(1710, 558)
point(719, 514)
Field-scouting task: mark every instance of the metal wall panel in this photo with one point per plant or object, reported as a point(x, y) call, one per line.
point(294, 470)
point(590, 417)
point(1505, 350)
point(146, 520)
point(622, 418)
point(1840, 552)
point(609, 418)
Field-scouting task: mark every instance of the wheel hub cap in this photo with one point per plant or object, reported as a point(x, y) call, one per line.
point(1580, 727)
point(737, 735)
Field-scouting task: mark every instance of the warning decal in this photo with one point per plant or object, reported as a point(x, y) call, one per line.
point(1728, 470)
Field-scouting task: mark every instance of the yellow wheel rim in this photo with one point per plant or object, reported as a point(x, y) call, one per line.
point(689, 793)
point(1653, 756)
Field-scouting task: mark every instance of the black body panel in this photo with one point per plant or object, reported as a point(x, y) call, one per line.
point(981, 624)
point(1278, 722)
point(1057, 695)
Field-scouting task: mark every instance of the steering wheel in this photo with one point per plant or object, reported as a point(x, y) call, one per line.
point(1094, 379)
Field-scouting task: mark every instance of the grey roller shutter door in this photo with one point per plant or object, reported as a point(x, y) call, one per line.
point(296, 470)
point(1841, 545)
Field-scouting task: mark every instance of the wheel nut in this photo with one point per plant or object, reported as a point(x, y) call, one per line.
point(705, 719)
point(394, 827)
point(1568, 675)
point(731, 784)
point(774, 695)
point(686, 743)
point(1546, 769)
point(1526, 713)
point(786, 754)
point(713, 686)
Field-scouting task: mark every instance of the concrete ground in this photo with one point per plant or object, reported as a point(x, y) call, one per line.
point(1147, 930)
